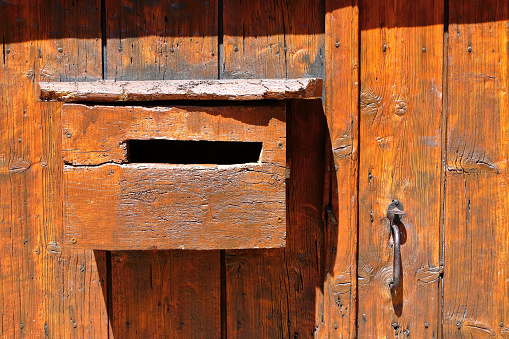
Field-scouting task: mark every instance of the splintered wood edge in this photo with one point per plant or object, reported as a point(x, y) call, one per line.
point(237, 89)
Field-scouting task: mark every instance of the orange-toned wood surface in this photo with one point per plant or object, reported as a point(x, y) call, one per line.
point(273, 39)
point(116, 206)
point(400, 158)
point(154, 206)
point(278, 293)
point(476, 253)
point(94, 135)
point(308, 288)
point(157, 294)
point(157, 40)
point(46, 290)
point(341, 108)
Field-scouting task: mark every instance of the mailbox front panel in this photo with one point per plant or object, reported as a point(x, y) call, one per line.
point(114, 201)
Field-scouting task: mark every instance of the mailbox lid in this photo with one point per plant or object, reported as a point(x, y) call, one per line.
point(113, 204)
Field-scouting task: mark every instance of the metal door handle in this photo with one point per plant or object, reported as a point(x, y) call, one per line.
point(394, 213)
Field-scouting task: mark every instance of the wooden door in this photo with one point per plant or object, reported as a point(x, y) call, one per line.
point(430, 129)
point(417, 107)
point(400, 157)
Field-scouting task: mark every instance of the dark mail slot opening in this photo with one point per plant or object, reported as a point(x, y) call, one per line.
point(193, 152)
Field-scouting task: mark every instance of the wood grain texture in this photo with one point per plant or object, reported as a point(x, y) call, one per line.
point(241, 89)
point(288, 300)
point(253, 40)
point(161, 40)
point(150, 206)
point(276, 293)
point(45, 290)
point(93, 135)
point(341, 107)
point(400, 158)
point(476, 279)
point(191, 31)
point(165, 285)
point(138, 206)
point(273, 39)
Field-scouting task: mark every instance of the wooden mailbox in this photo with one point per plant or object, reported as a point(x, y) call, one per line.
point(165, 175)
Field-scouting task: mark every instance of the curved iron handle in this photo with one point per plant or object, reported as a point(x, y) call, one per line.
point(397, 257)
point(394, 212)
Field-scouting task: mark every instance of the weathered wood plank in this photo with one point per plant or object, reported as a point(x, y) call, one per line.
point(173, 206)
point(271, 293)
point(476, 277)
point(45, 290)
point(162, 40)
point(138, 206)
point(253, 40)
point(258, 44)
point(93, 135)
point(273, 39)
point(241, 89)
point(183, 47)
point(164, 285)
point(341, 107)
point(400, 158)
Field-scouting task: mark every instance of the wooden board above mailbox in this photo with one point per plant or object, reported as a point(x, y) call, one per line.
point(174, 176)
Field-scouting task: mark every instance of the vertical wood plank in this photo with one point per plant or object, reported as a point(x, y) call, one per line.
point(153, 41)
point(253, 39)
point(161, 40)
point(273, 39)
point(476, 277)
point(163, 294)
point(341, 107)
point(279, 293)
point(45, 290)
point(400, 158)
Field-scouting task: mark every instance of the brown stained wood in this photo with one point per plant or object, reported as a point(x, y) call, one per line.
point(45, 290)
point(476, 288)
point(148, 40)
point(167, 285)
point(257, 44)
point(149, 206)
point(253, 40)
point(273, 39)
point(341, 104)
point(257, 304)
point(93, 135)
point(242, 89)
point(400, 158)
point(138, 206)
point(161, 40)
point(304, 22)
point(275, 293)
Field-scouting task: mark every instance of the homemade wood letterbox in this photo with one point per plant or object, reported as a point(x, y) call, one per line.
point(165, 175)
